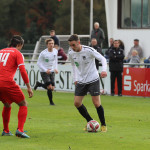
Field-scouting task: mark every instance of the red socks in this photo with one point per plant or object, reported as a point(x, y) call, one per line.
point(22, 115)
point(6, 118)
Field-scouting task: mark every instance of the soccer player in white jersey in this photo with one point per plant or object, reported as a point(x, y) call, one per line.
point(86, 77)
point(47, 63)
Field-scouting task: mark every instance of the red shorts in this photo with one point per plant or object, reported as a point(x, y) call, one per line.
point(10, 92)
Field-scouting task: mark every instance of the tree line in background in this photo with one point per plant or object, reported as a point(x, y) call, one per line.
point(34, 18)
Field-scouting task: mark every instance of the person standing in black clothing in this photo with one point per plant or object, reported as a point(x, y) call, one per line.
point(98, 49)
point(111, 41)
point(54, 37)
point(116, 57)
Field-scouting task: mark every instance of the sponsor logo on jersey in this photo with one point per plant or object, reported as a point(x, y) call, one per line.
point(46, 60)
point(77, 64)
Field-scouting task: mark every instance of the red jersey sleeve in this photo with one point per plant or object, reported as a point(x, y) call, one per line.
point(24, 74)
point(20, 59)
point(20, 63)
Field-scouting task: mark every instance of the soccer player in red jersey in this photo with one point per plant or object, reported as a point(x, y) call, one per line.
point(10, 60)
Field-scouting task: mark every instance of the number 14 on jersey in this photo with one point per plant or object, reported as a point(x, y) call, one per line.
point(4, 58)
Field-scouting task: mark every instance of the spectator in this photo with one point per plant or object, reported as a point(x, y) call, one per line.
point(135, 47)
point(134, 59)
point(111, 40)
point(61, 55)
point(116, 57)
point(121, 44)
point(98, 34)
point(54, 37)
point(98, 49)
point(147, 61)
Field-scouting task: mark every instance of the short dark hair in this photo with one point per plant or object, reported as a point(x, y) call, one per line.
point(47, 40)
point(136, 39)
point(16, 40)
point(73, 37)
point(52, 31)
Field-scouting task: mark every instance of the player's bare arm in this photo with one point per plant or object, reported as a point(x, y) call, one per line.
point(29, 90)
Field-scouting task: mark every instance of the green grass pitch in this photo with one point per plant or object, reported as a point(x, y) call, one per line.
point(60, 127)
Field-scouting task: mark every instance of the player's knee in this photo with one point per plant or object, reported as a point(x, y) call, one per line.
point(49, 87)
point(77, 104)
point(53, 88)
point(23, 103)
point(7, 105)
point(97, 104)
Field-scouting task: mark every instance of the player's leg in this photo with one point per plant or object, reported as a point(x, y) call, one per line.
point(94, 89)
point(39, 84)
point(50, 87)
point(100, 111)
point(47, 81)
point(80, 92)
point(50, 95)
point(18, 97)
point(97, 103)
point(81, 108)
point(6, 110)
point(6, 118)
point(22, 114)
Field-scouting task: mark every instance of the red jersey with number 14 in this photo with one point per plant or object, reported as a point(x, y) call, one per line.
point(10, 60)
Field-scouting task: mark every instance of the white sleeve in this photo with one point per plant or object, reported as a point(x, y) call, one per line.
point(101, 58)
point(74, 69)
point(40, 63)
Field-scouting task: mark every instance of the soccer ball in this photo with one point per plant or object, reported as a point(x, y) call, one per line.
point(93, 126)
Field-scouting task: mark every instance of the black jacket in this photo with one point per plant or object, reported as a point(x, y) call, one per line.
point(108, 51)
point(116, 57)
point(99, 50)
point(56, 40)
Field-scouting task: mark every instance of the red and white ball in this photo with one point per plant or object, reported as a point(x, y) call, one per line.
point(93, 126)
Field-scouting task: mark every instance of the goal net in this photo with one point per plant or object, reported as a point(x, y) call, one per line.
point(40, 45)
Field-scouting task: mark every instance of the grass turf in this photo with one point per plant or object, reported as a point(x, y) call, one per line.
point(60, 127)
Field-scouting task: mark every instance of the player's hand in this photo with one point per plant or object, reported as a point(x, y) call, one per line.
point(48, 71)
point(30, 92)
point(56, 71)
point(103, 74)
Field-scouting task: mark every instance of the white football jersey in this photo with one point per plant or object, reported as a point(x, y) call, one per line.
point(83, 64)
point(47, 60)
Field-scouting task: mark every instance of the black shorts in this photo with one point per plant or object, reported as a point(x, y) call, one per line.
point(48, 78)
point(93, 88)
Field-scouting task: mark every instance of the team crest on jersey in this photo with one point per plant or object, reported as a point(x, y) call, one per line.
point(84, 57)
